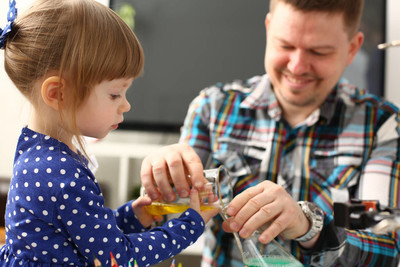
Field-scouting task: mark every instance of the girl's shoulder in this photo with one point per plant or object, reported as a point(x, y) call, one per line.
point(46, 160)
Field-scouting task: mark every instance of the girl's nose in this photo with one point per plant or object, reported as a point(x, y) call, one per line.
point(125, 106)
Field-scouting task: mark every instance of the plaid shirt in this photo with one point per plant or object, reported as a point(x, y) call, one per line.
point(348, 148)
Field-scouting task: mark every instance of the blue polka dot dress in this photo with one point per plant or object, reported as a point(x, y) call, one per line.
point(55, 215)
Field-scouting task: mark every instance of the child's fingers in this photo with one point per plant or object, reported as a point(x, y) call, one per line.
point(141, 201)
point(194, 200)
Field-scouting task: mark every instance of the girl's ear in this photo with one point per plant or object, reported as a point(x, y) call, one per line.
point(52, 92)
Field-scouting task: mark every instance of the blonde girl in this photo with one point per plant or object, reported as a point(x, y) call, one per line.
point(74, 60)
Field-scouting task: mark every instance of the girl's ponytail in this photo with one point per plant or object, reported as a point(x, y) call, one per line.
point(11, 15)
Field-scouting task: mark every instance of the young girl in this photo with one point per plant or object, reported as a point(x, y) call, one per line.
point(74, 61)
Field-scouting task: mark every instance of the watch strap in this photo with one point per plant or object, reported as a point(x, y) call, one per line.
point(316, 217)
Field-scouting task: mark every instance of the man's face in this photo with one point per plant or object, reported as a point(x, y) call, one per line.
point(306, 54)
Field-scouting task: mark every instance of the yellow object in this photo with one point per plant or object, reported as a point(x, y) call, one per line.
point(158, 208)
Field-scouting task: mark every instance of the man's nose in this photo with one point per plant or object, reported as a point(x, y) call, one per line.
point(299, 62)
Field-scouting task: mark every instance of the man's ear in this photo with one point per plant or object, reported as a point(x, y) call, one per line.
point(268, 20)
point(52, 92)
point(355, 45)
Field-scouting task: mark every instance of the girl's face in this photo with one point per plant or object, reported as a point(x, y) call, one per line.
point(104, 109)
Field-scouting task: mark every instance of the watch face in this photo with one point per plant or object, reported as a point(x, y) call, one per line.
point(315, 209)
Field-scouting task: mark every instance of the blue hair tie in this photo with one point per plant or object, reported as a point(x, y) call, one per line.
point(11, 15)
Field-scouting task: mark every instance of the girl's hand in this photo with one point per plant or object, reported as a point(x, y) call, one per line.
point(145, 218)
point(195, 204)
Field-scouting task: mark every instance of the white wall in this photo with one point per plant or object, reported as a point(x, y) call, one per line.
point(13, 107)
point(392, 78)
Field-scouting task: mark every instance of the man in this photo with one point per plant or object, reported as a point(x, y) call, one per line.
point(298, 133)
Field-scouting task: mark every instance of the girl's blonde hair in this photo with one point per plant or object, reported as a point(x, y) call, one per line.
point(83, 41)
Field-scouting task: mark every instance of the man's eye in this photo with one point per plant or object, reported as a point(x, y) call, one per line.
point(318, 53)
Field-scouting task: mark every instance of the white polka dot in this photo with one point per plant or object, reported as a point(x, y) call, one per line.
point(63, 159)
point(53, 198)
point(48, 170)
point(45, 212)
point(150, 247)
point(91, 240)
point(26, 184)
point(40, 198)
point(62, 171)
point(50, 184)
point(105, 239)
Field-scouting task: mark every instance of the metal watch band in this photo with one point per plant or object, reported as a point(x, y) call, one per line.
point(316, 216)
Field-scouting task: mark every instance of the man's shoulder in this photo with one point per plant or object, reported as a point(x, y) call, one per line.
point(355, 96)
point(237, 86)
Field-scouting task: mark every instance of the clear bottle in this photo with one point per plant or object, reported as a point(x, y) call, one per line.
point(271, 254)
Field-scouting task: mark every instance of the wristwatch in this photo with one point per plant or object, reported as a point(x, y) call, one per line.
point(316, 216)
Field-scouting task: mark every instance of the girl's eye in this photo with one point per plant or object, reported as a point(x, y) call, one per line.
point(113, 97)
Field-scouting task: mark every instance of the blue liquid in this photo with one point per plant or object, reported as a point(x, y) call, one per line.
point(272, 261)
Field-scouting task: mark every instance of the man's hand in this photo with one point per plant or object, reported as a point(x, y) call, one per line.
point(176, 165)
point(269, 207)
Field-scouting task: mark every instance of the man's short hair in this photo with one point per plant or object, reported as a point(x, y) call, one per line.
point(351, 9)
